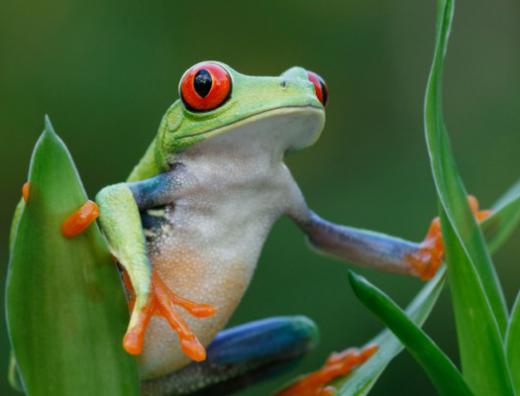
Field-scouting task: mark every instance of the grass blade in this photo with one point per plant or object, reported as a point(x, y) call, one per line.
point(442, 372)
point(513, 345)
point(450, 188)
point(66, 311)
point(479, 304)
point(363, 378)
point(482, 354)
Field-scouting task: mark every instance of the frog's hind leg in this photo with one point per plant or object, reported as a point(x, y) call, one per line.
point(239, 357)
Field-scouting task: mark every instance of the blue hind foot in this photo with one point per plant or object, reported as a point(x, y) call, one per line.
point(240, 356)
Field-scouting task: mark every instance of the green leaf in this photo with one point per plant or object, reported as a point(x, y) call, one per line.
point(442, 372)
point(513, 345)
point(450, 188)
point(364, 377)
point(482, 354)
point(66, 310)
point(479, 304)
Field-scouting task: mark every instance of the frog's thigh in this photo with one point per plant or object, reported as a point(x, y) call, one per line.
point(240, 356)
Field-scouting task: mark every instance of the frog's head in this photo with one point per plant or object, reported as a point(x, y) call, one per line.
point(217, 100)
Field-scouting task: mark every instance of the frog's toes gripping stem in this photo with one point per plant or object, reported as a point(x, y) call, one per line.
point(80, 220)
point(338, 364)
point(427, 260)
point(162, 302)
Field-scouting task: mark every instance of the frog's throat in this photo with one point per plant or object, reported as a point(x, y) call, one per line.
point(258, 117)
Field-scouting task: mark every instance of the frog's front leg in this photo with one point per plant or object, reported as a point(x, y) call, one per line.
point(380, 251)
point(120, 221)
point(374, 250)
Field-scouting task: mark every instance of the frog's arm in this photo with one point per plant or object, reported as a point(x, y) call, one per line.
point(121, 224)
point(363, 247)
point(359, 246)
point(119, 207)
point(374, 249)
point(120, 221)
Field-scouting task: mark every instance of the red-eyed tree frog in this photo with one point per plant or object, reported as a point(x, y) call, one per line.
point(188, 226)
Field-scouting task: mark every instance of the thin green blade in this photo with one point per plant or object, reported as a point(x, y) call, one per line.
point(449, 185)
point(480, 342)
point(364, 377)
point(66, 312)
point(513, 345)
point(442, 372)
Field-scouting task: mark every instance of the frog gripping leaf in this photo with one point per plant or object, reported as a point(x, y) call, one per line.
point(188, 226)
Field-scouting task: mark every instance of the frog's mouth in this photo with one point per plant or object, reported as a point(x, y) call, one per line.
point(287, 128)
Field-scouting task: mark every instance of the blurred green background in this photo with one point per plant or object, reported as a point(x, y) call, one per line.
point(105, 73)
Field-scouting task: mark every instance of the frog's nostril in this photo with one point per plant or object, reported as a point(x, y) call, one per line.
point(283, 83)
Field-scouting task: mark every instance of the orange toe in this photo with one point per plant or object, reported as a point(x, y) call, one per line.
point(80, 220)
point(134, 337)
point(192, 348)
point(428, 258)
point(474, 205)
point(25, 191)
point(338, 364)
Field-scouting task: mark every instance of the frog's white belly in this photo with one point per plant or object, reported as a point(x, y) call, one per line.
point(208, 250)
point(208, 255)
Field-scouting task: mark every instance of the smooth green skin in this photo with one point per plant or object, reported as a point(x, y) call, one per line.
point(251, 95)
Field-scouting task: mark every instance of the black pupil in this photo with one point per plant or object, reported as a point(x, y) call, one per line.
point(324, 92)
point(202, 82)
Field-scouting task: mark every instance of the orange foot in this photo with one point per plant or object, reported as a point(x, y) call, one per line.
point(427, 260)
point(338, 364)
point(162, 302)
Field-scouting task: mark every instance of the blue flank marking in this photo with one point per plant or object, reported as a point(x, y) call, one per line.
point(269, 339)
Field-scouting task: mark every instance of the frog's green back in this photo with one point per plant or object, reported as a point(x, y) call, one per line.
point(149, 164)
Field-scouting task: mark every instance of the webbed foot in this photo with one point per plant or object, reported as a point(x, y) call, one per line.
point(427, 260)
point(163, 302)
point(338, 364)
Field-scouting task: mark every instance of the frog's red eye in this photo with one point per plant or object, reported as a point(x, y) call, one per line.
point(205, 87)
point(322, 92)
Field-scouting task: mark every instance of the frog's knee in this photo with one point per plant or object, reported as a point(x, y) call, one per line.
point(271, 339)
point(242, 355)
